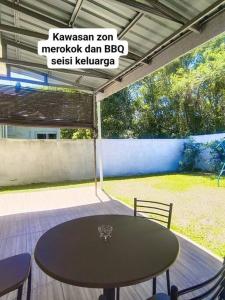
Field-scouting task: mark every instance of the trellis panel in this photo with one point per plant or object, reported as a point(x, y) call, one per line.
point(29, 107)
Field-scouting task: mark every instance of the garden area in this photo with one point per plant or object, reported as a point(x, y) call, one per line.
point(198, 211)
point(184, 99)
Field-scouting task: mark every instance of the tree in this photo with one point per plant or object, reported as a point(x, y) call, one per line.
point(117, 114)
point(75, 134)
point(184, 98)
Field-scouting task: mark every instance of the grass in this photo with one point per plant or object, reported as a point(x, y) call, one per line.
point(181, 183)
point(199, 205)
point(44, 186)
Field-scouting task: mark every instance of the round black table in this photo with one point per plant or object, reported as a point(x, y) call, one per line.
point(138, 250)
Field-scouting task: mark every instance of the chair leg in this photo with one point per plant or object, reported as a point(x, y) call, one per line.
point(29, 286)
point(154, 286)
point(20, 292)
point(168, 281)
point(118, 294)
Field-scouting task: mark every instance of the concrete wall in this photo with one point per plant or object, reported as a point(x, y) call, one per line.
point(29, 161)
point(140, 156)
point(203, 161)
point(207, 138)
point(122, 157)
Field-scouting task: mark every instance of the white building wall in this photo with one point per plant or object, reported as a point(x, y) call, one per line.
point(1, 131)
point(19, 132)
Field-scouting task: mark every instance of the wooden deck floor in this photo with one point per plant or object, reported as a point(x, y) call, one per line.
point(26, 216)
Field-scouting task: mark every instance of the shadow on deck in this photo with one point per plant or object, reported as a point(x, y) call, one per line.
point(39, 211)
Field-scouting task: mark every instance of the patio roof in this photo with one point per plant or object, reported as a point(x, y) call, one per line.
point(157, 32)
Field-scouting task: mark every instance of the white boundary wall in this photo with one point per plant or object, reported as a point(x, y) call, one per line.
point(31, 161)
point(123, 157)
point(208, 138)
point(203, 159)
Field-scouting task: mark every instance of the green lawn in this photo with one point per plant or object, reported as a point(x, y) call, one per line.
point(199, 205)
point(43, 186)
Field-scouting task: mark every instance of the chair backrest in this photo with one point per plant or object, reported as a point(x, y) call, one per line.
point(157, 211)
point(213, 288)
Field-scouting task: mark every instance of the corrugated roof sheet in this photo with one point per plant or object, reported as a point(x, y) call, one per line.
point(148, 32)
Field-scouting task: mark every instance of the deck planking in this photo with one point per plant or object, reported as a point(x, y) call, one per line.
point(26, 216)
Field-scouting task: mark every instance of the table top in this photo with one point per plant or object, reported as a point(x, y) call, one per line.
point(138, 250)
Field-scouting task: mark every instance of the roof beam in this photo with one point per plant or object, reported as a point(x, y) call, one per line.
point(79, 79)
point(26, 32)
point(42, 36)
point(41, 73)
point(75, 13)
point(34, 50)
point(75, 84)
point(130, 25)
point(159, 9)
point(174, 46)
point(143, 8)
point(169, 11)
point(17, 7)
point(14, 62)
point(131, 56)
point(51, 76)
point(21, 46)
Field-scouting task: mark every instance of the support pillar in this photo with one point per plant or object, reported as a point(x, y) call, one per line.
point(3, 54)
point(3, 72)
point(94, 141)
point(100, 163)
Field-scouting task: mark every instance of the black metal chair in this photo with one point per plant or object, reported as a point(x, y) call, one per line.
point(213, 288)
point(14, 271)
point(159, 212)
point(156, 211)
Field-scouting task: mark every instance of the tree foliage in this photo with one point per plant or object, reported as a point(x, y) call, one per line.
point(208, 157)
point(117, 115)
point(184, 98)
point(75, 134)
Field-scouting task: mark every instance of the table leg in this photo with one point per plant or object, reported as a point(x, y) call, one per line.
point(108, 294)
